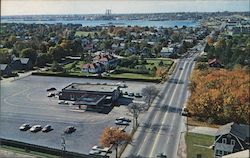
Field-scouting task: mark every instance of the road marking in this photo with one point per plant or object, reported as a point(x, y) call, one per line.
point(171, 100)
point(165, 96)
point(178, 127)
point(179, 116)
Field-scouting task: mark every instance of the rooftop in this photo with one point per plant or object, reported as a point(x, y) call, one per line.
point(90, 99)
point(91, 87)
point(3, 66)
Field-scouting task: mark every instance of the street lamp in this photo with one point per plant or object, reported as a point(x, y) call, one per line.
point(63, 144)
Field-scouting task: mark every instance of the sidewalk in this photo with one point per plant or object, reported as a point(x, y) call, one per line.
point(203, 130)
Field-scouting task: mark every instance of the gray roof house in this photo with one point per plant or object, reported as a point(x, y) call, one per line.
point(21, 64)
point(5, 70)
point(231, 138)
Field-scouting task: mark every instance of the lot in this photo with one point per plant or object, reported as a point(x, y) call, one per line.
point(25, 101)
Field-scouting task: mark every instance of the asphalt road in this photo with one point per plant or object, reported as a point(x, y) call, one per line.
point(160, 130)
point(24, 101)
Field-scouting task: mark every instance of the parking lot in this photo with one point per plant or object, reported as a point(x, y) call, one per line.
point(26, 101)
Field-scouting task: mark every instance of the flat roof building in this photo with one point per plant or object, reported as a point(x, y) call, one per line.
point(96, 97)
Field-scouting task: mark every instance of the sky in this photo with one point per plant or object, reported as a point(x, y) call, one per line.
point(40, 7)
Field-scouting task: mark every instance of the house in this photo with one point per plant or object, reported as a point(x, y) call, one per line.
point(5, 70)
point(215, 63)
point(231, 138)
point(21, 64)
point(93, 68)
point(240, 154)
point(167, 51)
point(107, 60)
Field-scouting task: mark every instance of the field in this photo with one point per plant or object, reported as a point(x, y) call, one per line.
point(74, 69)
point(83, 33)
point(199, 144)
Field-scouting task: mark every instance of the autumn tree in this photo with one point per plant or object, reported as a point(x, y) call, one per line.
point(220, 96)
point(114, 137)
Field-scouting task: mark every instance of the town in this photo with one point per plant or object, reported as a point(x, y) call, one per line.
point(70, 90)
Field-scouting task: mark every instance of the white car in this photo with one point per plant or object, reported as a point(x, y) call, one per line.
point(35, 128)
point(101, 149)
point(63, 102)
point(24, 127)
point(121, 122)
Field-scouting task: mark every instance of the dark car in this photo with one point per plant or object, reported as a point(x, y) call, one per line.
point(138, 95)
point(24, 127)
point(51, 95)
point(51, 89)
point(69, 129)
point(180, 68)
point(123, 119)
point(47, 128)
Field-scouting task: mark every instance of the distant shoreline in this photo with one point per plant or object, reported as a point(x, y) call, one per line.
point(93, 23)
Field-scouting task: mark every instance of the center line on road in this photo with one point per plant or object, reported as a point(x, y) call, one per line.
point(171, 100)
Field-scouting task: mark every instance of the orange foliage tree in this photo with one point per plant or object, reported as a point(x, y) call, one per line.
point(220, 96)
point(115, 137)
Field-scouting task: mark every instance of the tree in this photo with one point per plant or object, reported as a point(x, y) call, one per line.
point(29, 53)
point(149, 92)
point(56, 52)
point(161, 63)
point(5, 56)
point(135, 109)
point(220, 96)
point(56, 67)
point(115, 137)
point(43, 59)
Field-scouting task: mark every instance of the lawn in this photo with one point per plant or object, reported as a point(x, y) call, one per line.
point(134, 76)
point(74, 69)
point(198, 144)
point(23, 152)
point(83, 33)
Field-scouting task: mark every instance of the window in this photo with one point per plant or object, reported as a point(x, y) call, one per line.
point(224, 140)
point(221, 152)
point(217, 152)
point(232, 142)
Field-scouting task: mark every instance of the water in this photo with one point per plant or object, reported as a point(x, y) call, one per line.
point(166, 23)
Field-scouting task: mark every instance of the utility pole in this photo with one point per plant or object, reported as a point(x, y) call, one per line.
point(63, 144)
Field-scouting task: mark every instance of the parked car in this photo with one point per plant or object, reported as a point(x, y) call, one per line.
point(120, 122)
point(24, 127)
point(122, 85)
point(161, 155)
point(185, 112)
point(47, 128)
point(63, 102)
point(69, 129)
point(123, 119)
point(51, 89)
point(95, 152)
point(51, 94)
point(35, 128)
point(101, 149)
point(125, 93)
point(138, 95)
point(131, 94)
